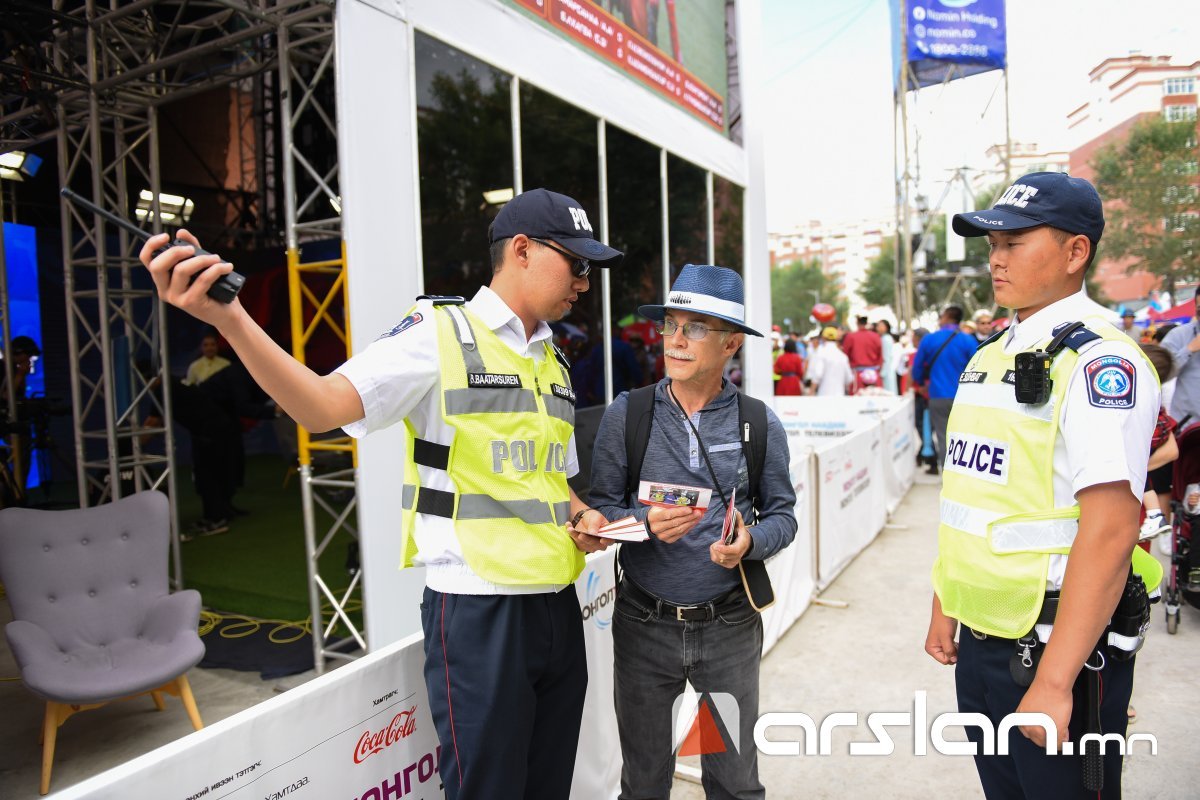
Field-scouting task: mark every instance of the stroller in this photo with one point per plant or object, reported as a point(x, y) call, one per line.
point(1183, 575)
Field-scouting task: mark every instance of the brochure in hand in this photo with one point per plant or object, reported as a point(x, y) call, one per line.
point(672, 495)
point(627, 529)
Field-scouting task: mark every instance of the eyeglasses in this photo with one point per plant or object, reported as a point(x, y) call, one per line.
point(580, 267)
point(691, 330)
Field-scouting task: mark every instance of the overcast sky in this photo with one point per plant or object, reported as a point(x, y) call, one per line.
point(829, 117)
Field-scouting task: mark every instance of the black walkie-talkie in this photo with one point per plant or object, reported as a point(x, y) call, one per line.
point(223, 291)
point(1031, 378)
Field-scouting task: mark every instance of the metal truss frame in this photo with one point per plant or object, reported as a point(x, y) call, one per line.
point(316, 289)
point(95, 82)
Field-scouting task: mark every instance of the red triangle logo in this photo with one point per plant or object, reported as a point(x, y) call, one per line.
point(703, 738)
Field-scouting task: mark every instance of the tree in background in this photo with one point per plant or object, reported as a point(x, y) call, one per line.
point(879, 288)
point(1152, 205)
point(792, 293)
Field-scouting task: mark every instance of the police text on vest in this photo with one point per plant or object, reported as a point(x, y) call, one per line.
point(986, 459)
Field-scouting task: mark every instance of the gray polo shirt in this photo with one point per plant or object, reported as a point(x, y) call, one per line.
point(1186, 402)
point(682, 572)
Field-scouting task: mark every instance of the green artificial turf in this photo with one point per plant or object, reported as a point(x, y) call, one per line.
point(257, 567)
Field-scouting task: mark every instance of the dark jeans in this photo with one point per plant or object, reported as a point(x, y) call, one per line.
point(654, 658)
point(506, 676)
point(939, 415)
point(984, 685)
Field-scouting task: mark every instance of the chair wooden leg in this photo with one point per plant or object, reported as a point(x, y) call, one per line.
point(49, 734)
point(189, 702)
point(159, 703)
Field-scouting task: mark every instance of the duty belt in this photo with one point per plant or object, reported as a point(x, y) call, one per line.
point(699, 612)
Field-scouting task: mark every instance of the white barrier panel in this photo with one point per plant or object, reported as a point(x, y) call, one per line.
point(598, 763)
point(791, 569)
point(900, 452)
point(851, 499)
point(833, 417)
point(361, 731)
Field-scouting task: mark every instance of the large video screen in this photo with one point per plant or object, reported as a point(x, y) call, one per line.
point(676, 49)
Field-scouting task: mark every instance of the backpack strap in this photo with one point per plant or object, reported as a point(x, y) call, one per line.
point(752, 423)
point(639, 417)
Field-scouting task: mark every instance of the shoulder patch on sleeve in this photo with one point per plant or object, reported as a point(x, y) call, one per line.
point(1111, 382)
point(404, 324)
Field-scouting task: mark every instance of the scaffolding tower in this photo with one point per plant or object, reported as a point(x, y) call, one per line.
point(94, 76)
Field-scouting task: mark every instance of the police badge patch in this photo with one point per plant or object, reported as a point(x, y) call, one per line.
point(404, 324)
point(1111, 382)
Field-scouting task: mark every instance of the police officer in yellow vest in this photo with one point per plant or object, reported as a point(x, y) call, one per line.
point(1048, 441)
point(488, 403)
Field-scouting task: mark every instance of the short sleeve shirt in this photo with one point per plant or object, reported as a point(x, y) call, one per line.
point(398, 376)
point(1095, 444)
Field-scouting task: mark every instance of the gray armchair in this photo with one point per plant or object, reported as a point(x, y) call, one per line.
point(93, 620)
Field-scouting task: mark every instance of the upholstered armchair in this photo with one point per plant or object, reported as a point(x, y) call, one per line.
point(93, 620)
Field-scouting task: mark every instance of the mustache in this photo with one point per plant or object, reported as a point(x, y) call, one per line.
point(682, 355)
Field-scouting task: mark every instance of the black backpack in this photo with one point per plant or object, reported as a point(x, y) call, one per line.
point(752, 420)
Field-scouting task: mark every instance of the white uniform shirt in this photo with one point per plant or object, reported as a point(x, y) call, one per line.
point(830, 370)
point(1094, 445)
point(399, 376)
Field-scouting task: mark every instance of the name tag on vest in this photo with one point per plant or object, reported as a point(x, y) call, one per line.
point(985, 459)
point(972, 377)
point(564, 392)
point(493, 380)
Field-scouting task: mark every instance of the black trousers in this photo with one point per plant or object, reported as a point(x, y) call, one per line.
point(985, 685)
point(506, 676)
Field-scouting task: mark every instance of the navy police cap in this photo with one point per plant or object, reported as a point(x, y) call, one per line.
point(1040, 198)
point(542, 214)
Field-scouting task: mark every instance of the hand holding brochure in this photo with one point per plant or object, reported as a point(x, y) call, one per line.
point(628, 529)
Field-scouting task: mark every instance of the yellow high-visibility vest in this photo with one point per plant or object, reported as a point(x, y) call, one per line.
point(999, 523)
point(511, 419)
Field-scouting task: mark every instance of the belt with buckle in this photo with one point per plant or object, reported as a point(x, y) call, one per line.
point(699, 612)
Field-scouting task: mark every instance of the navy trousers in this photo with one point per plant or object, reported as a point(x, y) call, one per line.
point(506, 676)
point(985, 685)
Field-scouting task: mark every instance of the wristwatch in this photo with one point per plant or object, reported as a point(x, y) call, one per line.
point(579, 515)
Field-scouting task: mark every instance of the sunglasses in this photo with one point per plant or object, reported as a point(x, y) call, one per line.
point(580, 267)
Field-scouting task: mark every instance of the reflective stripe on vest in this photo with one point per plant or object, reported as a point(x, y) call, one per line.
point(506, 457)
point(999, 524)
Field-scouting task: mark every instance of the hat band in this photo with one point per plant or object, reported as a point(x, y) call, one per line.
point(706, 304)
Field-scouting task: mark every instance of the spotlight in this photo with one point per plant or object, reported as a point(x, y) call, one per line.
point(173, 208)
point(17, 163)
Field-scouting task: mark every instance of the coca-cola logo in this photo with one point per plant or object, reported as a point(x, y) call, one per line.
point(370, 743)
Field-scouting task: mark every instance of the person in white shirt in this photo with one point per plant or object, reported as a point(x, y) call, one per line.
point(829, 370)
point(505, 666)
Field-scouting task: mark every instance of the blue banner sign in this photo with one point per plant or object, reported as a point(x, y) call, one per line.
point(947, 39)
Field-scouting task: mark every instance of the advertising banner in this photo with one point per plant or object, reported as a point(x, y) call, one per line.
point(598, 763)
point(899, 453)
point(361, 731)
point(948, 38)
point(791, 569)
point(831, 418)
point(675, 49)
point(851, 501)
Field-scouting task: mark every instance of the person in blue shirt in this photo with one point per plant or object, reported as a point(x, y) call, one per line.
point(940, 359)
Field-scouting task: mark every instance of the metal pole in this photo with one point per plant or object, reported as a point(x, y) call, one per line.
point(1007, 134)
point(666, 223)
point(711, 228)
point(605, 277)
point(514, 100)
point(906, 211)
point(97, 155)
